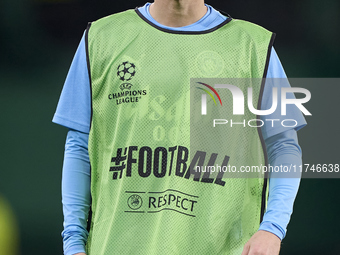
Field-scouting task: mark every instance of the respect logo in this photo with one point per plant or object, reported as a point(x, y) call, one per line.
point(170, 200)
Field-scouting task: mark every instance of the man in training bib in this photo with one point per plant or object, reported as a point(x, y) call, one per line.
point(129, 156)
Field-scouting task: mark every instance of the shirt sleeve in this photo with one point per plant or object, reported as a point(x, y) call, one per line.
point(283, 149)
point(276, 78)
point(74, 106)
point(76, 192)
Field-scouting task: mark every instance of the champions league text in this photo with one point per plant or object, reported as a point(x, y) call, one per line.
point(127, 96)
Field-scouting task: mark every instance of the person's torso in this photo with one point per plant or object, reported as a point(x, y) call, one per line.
point(145, 138)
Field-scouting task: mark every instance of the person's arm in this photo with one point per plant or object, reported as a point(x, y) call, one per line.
point(76, 197)
point(283, 149)
point(73, 112)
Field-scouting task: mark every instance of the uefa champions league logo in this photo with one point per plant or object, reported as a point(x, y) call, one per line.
point(126, 71)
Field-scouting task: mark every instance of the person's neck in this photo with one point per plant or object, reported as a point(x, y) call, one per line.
point(177, 13)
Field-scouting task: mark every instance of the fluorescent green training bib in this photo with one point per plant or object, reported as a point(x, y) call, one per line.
point(145, 197)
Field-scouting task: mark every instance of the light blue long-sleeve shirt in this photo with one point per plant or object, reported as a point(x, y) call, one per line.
point(74, 112)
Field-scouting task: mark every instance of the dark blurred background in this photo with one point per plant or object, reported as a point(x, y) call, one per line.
point(38, 39)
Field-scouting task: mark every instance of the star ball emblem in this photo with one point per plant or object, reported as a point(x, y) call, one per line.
point(126, 71)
